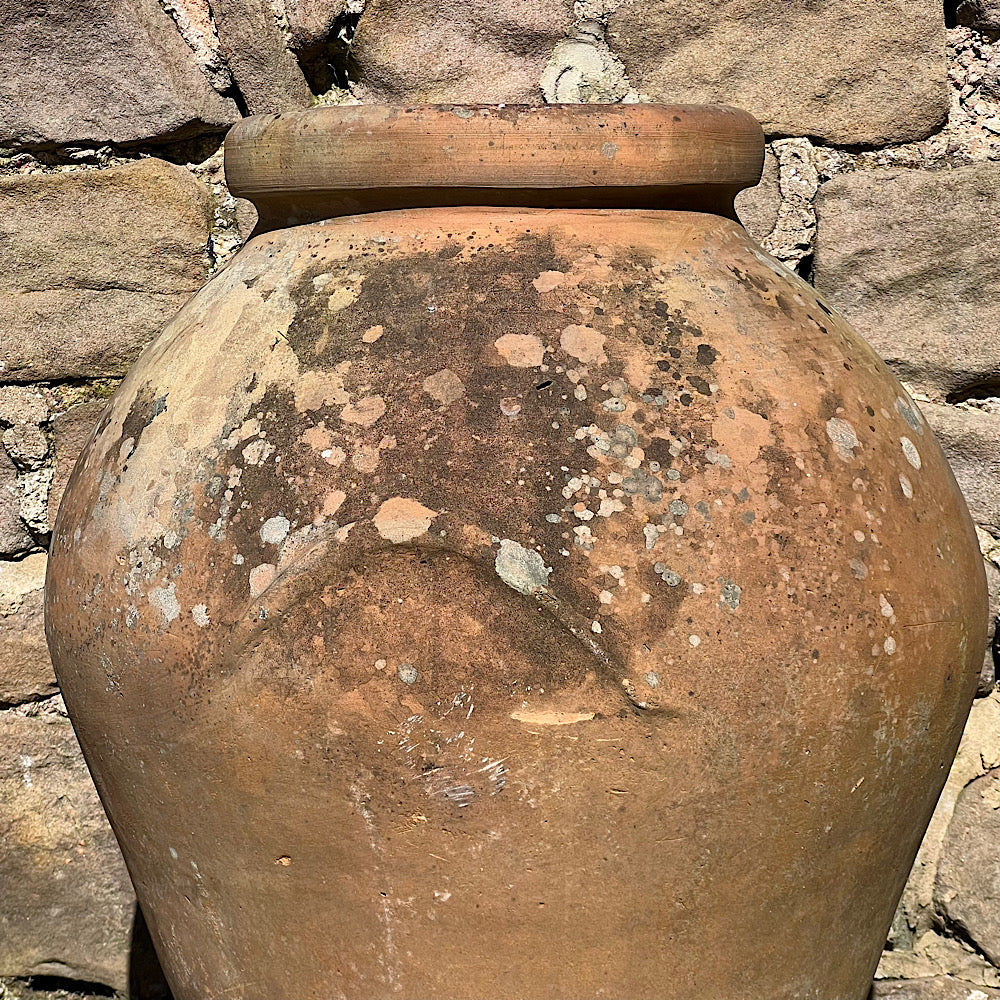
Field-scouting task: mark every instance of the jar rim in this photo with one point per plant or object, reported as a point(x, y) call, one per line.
point(338, 160)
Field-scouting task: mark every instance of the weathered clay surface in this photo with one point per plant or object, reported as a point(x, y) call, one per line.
point(97, 71)
point(823, 70)
point(932, 988)
point(25, 667)
point(465, 605)
point(57, 852)
point(76, 250)
point(432, 51)
point(912, 258)
point(971, 440)
point(253, 44)
point(968, 881)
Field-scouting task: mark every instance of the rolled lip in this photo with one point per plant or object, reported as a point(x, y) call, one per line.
point(373, 148)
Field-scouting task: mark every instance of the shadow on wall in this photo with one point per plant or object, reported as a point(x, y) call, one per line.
point(145, 976)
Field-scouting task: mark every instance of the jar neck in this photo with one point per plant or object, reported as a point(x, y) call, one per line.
point(335, 161)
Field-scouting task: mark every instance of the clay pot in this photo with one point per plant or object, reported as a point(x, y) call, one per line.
point(564, 603)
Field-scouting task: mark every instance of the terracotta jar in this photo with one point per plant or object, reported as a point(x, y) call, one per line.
point(550, 597)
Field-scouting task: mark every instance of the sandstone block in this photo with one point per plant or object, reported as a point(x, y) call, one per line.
point(25, 669)
point(971, 441)
point(842, 70)
point(471, 51)
point(253, 44)
point(931, 988)
point(968, 879)
point(67, 905)
point(912, 259)
point(99, 71)
point(14, 537)
point(92, 264)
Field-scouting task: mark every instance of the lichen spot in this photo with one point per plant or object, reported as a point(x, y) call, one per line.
point(522, 569)
point(401, 519)
point(843, 436)
point(200, 615)
point(444, 386)
point(365, 411)
point(583, 343)
point(165, 601)
point(521, 350)
point(906, 486)
point(910, 451)
point(908, 411)
point(372, 334)
point(407, 673)
point(548, 280)
point(261, 577)
point(274, 530)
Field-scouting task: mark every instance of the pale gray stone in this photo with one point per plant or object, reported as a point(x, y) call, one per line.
point(843, 72)
point(970, 439)
point(67, 905)
point(100, 71)
point(912, 259)
point(93, 264)
point(967, 891)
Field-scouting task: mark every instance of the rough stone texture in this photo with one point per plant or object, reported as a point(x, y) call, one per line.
point(968, 881)
point(70, 431)
point(93, 264)
point(311, 22)
point(253, 44)
point(932, 988)
point(981, 14)
point(978, 753)
point(14, 537)
point(842, 70)
point(971, 440)
point(987, 679)
point(912, 259)
point(757, 208)
point(97, 71)
point(74, 900)
point(428, 51)
point(25, 669)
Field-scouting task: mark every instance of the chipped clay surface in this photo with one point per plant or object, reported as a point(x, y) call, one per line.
point(548, 556)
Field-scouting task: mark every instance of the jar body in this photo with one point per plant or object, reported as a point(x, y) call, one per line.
point(562, 600)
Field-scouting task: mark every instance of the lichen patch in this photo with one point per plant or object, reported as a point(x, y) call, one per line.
point(522, 569)
point(401, 519)
point(843, 436)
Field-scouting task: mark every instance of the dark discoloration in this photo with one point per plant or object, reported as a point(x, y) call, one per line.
point(288, 601)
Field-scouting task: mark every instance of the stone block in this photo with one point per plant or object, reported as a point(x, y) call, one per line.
point(67, 905)
point(100, 71)
point(971, 441)
point(842, 71)
point(931, 988)
point(25, 668)
point(466, 51)
point(968, 878)
point(912, 259)
point(93, 264)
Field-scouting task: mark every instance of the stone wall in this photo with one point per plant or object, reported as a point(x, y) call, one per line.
point(881, 186)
